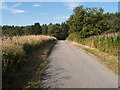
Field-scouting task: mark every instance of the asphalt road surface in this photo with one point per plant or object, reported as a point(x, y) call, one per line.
point(70, 67)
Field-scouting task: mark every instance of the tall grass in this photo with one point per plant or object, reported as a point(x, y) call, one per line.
point(15, 50)
point(106, 43)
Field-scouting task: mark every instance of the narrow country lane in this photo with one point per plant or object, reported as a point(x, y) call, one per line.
point(70, 67)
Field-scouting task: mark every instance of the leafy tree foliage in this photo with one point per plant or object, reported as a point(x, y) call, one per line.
point(92, 21)
point(37, 28)
point(44, 29)
point(64, 31)
point(60, 31)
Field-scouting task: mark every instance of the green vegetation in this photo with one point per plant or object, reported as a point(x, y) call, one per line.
point(60, 31)
point(108, 44)
point(88, 22)
point(17, 50)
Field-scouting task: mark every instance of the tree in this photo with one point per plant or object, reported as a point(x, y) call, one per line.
point(65, 28)
point(44, 29)
point(90, 21)
point(26, 30)
point(37, 28)
point(51, 30)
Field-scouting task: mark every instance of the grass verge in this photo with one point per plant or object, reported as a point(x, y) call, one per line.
point(110, 61)
point(30, 74)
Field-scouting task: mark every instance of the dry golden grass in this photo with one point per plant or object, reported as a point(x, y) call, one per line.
point(16, 48)
point(15, 44)
point(25, 57)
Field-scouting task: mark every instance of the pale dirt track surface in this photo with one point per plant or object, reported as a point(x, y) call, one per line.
point(70, 67)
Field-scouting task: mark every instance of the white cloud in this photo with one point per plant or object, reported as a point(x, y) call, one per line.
point(36, 5)
point(17, 11)
point(16, 5)
point(72, 5)
point(61, 17)
point(12, 8)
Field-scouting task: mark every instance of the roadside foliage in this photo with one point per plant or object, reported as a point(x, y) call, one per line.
point(105, 43)
point(16, 49)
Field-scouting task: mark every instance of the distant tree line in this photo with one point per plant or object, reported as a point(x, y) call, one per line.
point(84, 22)
point(58, 30)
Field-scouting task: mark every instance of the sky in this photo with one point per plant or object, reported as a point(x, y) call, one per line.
point(27, 13)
